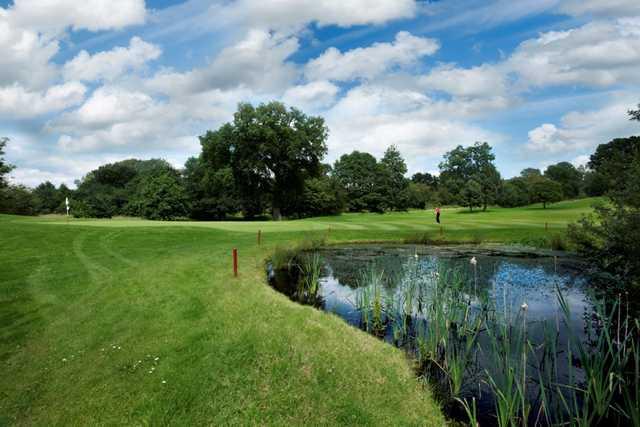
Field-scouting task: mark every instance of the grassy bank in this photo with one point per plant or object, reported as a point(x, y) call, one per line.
point(131, 321)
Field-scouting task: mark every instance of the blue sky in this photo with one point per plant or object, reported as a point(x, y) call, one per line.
point(84, 83)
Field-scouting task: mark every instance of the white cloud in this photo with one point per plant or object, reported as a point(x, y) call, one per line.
point(293, 14)
point(314, 95)
point(481, 81)
point(111, 64)
point(53, 16)
point(370, 118)
point(600, 7)
point(369, 62)
point(18, 102)
point(601, 53)
point(25, 55)
point(580, 132)
point(259, 62)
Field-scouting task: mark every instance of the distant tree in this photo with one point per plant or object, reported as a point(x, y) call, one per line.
point(514, 192)
point(419, 195)
point(634, 114)
point(569, 178)
point(357, 173)
point(210, 188)
point(426, 179)
point(272, 150)
point(529, 173)
point(615, 163)
point(593, 183)
point(391, 179)
point(5, 167)
point(472, 195)
point(543, 190)
point(610, 238)
point(18, 200)
point(108, 190)
point(463, 164)
point(322, 196)
point(162, 197)
point(48, 198)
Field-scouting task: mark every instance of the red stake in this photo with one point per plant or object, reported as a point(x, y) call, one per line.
point(235, 262)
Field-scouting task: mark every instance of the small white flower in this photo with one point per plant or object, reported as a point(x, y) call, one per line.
point(524, 306)
point(156, 359)
point(151, 372)
point(64, 359)
point(473, 261)
point(164, 382)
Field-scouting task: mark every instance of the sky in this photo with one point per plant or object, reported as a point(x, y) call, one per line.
point(91, 82)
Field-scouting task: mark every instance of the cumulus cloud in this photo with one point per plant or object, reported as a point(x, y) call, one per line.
point(54, 16)
point(293, 14)
point(259, 62)
point(601, 53)
point(371, 118)
point(481, 81)
point(18, 102)
point(580, 132)
point(600, 7)
point(25, 55)
point(314, 95)
point(111, 64)
point(369, 62)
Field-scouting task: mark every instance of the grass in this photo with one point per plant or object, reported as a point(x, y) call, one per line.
point(129, 321)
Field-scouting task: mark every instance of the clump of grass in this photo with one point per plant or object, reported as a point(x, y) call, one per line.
point(558, 242)
point(423, 238)
point(477, 238)
point(309, 282)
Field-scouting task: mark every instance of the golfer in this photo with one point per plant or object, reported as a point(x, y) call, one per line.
point(438, 215)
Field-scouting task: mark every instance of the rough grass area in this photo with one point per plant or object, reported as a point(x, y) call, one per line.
point(138, 322)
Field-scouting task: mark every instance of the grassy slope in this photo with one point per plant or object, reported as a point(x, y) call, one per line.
point(106, 294)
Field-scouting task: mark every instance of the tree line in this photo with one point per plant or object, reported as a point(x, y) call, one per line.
point(269, 162)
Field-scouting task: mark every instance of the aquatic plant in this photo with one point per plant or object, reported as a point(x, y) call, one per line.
point(309, 282)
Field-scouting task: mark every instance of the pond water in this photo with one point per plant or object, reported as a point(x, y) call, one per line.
point(396, 292)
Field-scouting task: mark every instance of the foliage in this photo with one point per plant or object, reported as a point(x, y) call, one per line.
point(5, 167)
point(18, 200)
point(392, 181)
point(419, 195)
point(357, 173)
point(271, 150)
point(48, 198)
point(514, 192)
point(463, 164)
point(545, 191)
point(210, 189)
point(472, 195)
point(322, 196)
point(161, 197)
point(570, 178)
point(108, 190)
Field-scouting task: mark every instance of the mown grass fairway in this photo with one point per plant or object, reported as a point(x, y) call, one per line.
point(139, 322)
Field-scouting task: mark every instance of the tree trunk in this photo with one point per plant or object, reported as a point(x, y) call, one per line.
point(277, 216)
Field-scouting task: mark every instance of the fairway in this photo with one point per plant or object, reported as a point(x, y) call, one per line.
point(129, 321)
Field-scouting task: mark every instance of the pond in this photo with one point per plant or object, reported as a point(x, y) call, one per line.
point(480, 322)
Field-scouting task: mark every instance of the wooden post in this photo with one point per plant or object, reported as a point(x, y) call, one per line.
point(259, 237)
point(235, 262)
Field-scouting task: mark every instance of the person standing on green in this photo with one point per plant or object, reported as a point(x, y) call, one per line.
point(438, 215)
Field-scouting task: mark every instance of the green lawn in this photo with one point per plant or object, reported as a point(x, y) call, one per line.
point(136, 322)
